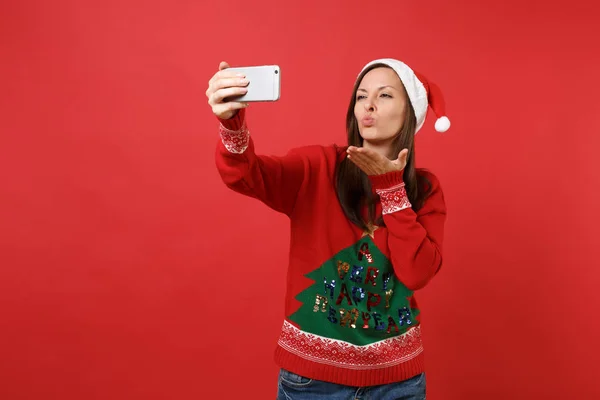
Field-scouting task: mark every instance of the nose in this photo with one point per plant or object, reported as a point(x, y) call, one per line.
point(369, 106)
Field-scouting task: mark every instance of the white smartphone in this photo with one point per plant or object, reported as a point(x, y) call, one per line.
point(264, 83)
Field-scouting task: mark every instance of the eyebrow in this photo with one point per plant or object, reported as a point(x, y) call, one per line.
point(379, 88)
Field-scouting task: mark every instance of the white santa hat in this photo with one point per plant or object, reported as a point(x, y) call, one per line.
point(421, 93)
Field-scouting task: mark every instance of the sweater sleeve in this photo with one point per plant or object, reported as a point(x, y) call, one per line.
point(414, 238)
point(274, 180)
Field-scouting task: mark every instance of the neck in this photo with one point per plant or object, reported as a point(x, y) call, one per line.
point(384, 147)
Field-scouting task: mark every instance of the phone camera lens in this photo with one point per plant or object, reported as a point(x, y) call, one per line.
point(276, 71)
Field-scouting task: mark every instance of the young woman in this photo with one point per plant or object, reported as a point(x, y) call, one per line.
point(366, 232)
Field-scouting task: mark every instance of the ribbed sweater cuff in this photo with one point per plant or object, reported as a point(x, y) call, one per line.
point(387, 180)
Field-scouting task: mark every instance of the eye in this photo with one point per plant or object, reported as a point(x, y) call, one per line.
point(386, 95)
point(360, 97)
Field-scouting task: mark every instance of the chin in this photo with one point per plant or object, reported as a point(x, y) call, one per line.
point(374, 137)
point(368, 134)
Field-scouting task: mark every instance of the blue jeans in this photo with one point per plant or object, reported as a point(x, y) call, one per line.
point(296, 387)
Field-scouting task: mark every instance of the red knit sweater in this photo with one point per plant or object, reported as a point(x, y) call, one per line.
point(350, 312)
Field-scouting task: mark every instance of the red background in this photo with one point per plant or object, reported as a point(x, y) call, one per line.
point(128, 270)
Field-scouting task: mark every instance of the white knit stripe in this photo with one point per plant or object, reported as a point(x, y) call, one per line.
point(381, 354)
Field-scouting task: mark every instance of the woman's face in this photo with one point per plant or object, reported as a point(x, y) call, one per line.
point(380, 106)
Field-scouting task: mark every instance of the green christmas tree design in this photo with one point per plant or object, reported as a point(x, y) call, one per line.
point(355, 298)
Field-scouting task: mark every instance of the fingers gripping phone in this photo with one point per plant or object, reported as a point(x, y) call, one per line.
point(264, 83)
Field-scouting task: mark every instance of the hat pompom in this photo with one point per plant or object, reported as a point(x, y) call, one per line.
point(442, 124)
